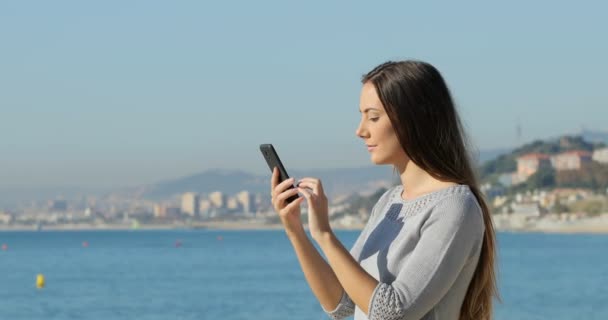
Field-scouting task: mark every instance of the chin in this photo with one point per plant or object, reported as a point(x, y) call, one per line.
point(379, 160)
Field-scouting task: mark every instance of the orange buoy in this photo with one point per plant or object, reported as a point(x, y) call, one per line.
point(85, 244)
point(4, 247)
point(220, 238)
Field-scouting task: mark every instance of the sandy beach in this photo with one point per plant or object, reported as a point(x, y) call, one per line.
point(552, 223)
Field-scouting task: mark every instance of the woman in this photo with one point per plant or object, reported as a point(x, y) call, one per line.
point(428, 248)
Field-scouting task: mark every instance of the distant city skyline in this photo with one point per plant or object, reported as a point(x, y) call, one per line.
point(118, 94)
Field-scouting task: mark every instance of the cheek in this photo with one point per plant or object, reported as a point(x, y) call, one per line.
point(391, 142)
point(387, 134)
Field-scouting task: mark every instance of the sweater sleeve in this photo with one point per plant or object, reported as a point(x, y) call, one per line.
point(346, 307)
point(448, 238)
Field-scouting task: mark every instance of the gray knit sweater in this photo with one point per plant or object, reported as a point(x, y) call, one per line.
point(423, 252)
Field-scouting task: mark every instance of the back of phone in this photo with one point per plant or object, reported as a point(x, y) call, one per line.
point(273, 160)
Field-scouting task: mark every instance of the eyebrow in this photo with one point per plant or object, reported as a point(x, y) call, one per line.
point(368, 109)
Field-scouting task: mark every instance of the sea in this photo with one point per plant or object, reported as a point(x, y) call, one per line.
point(254, 274)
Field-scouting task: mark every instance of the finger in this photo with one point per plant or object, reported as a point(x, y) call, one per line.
point(317, 182)
point(283, 185)
point(307, 185)
point(287, 194)
point(314, 184)
point(293, 204)
point(275, 178)
point(307, 193)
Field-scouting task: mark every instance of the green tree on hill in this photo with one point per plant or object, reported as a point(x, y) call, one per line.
point(544, 178)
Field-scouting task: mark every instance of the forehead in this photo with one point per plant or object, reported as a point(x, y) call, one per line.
point(369, 98)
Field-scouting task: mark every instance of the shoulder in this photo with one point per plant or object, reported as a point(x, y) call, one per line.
point(459, 207)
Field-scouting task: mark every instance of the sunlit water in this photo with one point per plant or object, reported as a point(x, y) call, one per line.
point(213, 274)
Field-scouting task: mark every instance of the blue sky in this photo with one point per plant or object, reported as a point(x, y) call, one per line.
point(120, 93)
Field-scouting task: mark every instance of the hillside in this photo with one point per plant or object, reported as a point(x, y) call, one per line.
point(507, 162)
point(335, 181)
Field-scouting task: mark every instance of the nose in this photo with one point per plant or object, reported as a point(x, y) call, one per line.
point(361, 132)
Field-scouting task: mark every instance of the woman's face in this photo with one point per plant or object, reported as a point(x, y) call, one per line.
point(377, 131)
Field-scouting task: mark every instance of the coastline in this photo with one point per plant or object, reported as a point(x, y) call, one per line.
point(552, 223)
point(519, 223)
point(216, 225)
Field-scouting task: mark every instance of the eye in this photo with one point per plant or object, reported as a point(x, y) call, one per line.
point(374, 119)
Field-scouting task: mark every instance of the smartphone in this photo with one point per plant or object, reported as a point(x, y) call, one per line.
point(273, 160)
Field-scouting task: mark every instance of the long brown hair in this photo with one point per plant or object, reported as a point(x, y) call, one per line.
point(422, 112)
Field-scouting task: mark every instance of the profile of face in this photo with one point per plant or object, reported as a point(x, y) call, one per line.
point(377, 130)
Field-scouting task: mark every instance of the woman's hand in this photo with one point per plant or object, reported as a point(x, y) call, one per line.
point(289, 213)
point(318, 218)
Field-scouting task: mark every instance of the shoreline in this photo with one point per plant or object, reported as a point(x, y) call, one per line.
point(199, 226)
point(238, 227)
point(502, 223)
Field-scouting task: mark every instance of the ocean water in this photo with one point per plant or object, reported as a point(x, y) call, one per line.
point(215, 274)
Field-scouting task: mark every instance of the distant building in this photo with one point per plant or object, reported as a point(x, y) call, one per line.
point(204, 206)
point(529, 164)
point(233, 204)
point(58, 205)
point(160, 211)
point(5, 218)
point(247, 201)
point(218, 199)
point(172, 211)
point(190, 204)
point(571, 160)
point(571, 195)
point(507, 179)
point(491, 191)
point(600, 155)
point(528, 209)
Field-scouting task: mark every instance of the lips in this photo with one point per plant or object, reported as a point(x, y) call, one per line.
point(371, 147)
